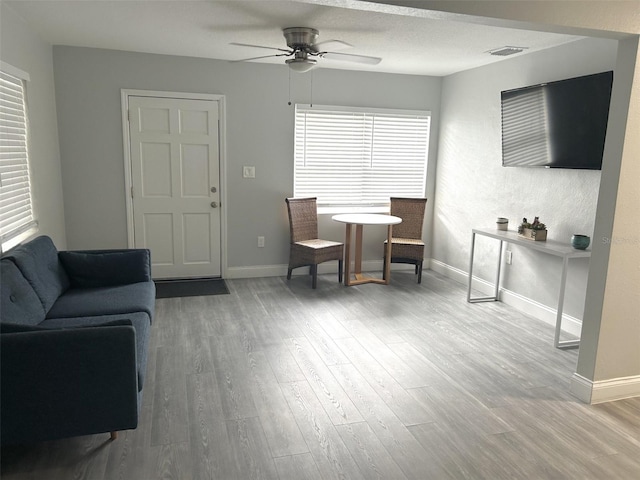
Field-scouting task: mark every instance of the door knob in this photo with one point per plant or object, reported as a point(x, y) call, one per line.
point(214, 204)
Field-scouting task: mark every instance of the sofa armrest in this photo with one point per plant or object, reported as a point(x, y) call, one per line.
point(67, 382)
point(104, 268)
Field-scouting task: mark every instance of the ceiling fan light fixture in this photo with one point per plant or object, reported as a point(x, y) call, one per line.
point(301, 65)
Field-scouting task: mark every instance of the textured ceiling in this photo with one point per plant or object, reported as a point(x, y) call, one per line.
point(407, 44)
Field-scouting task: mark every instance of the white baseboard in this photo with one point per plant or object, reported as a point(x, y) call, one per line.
point(456, 274)
point(601, 391)
point(581, 388)
point(257, 271)
point(571, 325)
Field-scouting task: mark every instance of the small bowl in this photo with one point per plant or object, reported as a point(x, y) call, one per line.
point(580, 242)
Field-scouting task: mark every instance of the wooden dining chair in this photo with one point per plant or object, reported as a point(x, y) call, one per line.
point(306, 249)
point(406, 241)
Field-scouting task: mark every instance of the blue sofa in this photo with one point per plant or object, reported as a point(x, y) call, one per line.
point(74, 336)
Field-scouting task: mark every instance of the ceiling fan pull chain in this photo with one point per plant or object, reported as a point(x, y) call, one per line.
point(289, 103)
point(311, 94)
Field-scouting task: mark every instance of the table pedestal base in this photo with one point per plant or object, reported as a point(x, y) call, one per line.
point(359, 279)
point(356, 277)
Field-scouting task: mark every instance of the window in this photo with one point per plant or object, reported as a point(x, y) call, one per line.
point(16, 213)
point(359, 157)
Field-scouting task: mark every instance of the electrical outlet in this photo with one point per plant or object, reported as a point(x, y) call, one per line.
point(260, 242)
point(509, 257)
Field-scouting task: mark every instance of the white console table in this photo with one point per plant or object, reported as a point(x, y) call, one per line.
point(558, 249)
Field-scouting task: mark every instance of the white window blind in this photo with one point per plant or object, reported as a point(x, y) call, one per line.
point(16, 214)
point(359, 157)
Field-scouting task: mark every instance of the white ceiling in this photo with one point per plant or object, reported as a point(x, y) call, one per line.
point(407, 44)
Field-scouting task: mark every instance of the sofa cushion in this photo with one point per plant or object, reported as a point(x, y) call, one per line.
point(18, 301)
point(92, 269)
point(119, 299)
point(38, 262)
point(140, 322)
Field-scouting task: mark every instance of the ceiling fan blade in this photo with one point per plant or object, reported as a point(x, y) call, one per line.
point(331, 45)
point(261, 46)
point(347, 57)
point(258, 58)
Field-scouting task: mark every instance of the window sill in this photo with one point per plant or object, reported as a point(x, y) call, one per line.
point(353, 209)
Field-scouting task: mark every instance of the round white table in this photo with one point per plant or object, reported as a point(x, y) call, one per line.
point(359, 220)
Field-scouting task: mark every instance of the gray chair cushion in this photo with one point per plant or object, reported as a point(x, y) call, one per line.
point(114, 300)
point(38, 262)
point(18, 301)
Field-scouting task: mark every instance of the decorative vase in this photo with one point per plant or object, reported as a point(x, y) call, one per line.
point(580, 242)
point(502, 223)
point(531, 234)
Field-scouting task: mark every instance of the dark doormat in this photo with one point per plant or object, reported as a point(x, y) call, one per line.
point(190, 288)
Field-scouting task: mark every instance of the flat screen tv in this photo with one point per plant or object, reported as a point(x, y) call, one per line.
point(559, 124)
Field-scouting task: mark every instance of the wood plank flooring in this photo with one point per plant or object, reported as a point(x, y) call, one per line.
point(406, 381)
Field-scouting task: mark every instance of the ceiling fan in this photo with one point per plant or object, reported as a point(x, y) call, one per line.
point(303, 48)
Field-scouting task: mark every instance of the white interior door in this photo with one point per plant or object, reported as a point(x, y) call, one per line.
point(175, 175)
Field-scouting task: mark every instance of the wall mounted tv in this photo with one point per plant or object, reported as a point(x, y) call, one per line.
point(559, 124)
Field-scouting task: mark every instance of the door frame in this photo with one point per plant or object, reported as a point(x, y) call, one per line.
point(128, 181)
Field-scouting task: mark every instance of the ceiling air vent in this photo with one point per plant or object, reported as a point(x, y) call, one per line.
point(505, 51)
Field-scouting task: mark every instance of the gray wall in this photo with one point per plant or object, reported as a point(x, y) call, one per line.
point(23, 49)
point(472, 187)
point(259, 133)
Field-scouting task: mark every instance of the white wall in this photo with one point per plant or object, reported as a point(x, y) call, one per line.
point(23, 49)
point(472, 187)
point(259, 133)
point(613, 325)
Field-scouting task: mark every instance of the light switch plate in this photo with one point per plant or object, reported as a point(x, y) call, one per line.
point(248, 172)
